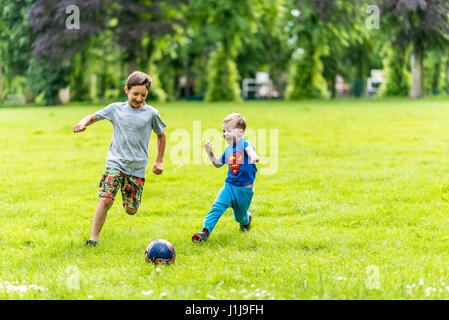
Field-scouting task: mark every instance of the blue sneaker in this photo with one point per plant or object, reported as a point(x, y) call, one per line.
point(246, 227)
point(199, 237)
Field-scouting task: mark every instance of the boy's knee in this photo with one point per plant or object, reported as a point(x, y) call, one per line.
point(107, 202)
point(130, 211)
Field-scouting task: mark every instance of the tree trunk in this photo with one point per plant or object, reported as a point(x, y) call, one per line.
point(102, 79)
point(2, 84)
point(447, 76)
point(417, 88)
point(436, 78)
point(186, 72)
point(80, 90)
point(333, 87)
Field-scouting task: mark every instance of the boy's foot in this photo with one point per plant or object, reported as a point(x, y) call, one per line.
point(199, 237)
point(91, 243)
point(246, 227)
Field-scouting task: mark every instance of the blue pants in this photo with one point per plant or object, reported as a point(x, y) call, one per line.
point(238, 198)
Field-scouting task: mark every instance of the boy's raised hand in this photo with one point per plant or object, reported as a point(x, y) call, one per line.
point(208, 147)
point(253, 157)
point(78, 128)
point(254, 160)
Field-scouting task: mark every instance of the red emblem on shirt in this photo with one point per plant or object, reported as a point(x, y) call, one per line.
point(234, 161)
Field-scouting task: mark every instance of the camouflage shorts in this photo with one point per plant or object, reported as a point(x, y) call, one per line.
point(130, 186)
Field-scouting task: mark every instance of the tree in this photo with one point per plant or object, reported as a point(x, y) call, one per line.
point(308, 34)
point(227, 23)
point(223, 77)
point(396, 72)
point(134, 24)
point(138, 23)
point(267, 49)
point(363, 56)
point(321, 29)
point(421, 24)
point(60, 51)
point(15, 40)
point(434, 61)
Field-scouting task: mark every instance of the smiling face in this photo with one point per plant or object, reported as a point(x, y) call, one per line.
point(137, 96)
point(231, 134)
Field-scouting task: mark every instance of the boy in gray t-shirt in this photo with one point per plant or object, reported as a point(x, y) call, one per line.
point(127, 157)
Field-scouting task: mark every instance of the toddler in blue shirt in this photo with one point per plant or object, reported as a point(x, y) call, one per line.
point(238, 190)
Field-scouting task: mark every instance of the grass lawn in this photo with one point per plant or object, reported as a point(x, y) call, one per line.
point(357, 207)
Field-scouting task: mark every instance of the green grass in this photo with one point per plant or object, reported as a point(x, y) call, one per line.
point(358, 208)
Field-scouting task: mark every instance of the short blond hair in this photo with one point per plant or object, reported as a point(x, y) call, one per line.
point(240, 120)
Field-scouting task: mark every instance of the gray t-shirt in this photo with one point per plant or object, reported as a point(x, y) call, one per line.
point(128, 151)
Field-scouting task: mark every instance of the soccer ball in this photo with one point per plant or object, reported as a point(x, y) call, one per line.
point(160, 251)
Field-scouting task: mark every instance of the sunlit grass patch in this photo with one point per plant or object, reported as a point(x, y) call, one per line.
point(357, 208)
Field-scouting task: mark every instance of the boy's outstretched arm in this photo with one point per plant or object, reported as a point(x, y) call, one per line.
point(86, 121)
point(208, 147)
point(161, 142)
point(253, 158)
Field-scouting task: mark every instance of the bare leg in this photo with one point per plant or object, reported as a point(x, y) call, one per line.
point(100, 217)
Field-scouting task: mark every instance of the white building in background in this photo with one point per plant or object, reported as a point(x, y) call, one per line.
point(16, 99)
point(373, 83)
point(261, 87)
